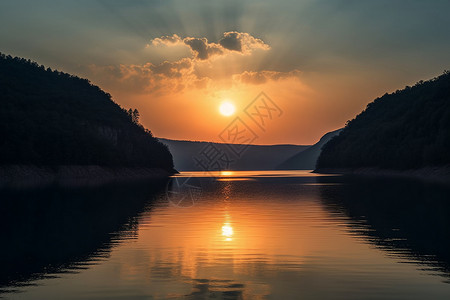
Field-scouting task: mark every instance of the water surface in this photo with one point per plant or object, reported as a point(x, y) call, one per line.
point(229, 235)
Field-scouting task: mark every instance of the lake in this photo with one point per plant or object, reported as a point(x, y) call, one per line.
point(228, 235)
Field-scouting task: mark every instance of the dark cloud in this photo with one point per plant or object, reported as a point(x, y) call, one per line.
point(202, 48)
point(231, 41)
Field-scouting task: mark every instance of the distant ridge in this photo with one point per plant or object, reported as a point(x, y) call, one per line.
point(306, 159)
point(255, 157)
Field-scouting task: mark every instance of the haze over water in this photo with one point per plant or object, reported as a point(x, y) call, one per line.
point(232, 235)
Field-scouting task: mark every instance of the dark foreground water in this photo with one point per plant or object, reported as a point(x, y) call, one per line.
point(238, 235)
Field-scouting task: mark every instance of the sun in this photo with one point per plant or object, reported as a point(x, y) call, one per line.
point(227, 108)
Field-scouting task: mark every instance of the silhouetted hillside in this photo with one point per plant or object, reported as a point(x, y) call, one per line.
point(306, 159)
point(51, 118)
point(408, 129)
point(188, 155)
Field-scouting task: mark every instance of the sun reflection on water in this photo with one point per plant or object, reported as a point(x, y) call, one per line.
point(227, 231)
point(226, 173)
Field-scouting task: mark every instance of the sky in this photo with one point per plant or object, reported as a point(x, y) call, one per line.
point(318, 63)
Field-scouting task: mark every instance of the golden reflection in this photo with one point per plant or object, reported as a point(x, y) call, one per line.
point(239, 237)
point(247, 175)
point(226, 173)
point(227, 231)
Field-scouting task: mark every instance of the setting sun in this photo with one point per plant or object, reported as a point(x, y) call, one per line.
point(227, 108)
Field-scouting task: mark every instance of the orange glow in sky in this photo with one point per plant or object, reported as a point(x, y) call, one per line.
point(176, 64)
point(184, 97)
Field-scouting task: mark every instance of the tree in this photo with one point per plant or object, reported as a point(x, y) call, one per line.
point(135, 116)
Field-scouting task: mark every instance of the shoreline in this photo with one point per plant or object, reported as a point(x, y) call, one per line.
point(74, 175)
point(430, 174)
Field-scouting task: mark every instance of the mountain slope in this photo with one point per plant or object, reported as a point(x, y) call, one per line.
point(50, 118)
point(255, 157)
point(306, 159)
point(408, 129)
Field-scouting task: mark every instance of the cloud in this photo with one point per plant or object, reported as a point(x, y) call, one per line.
point(231, 41)
point(202, 49)
point(148, 78)
point(171, 69)
point(197, 71)
point(242, 42)
point(260, 77)
point(167, 40)
point(173, 77)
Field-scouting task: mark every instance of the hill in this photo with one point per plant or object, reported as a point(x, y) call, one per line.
point(255, 157)
point(408, 129)
point(50, 118)
point(306, 159)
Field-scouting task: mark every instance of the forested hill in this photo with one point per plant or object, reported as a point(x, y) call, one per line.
point(408, 129)
point(50, 118)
